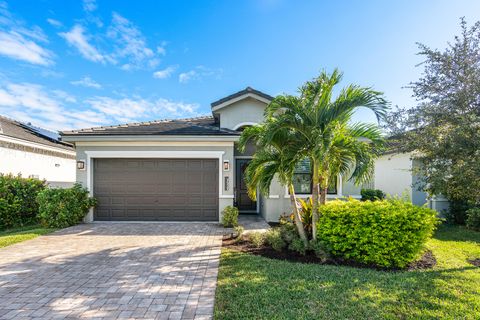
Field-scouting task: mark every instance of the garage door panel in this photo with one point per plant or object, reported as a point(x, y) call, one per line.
point(156, 189)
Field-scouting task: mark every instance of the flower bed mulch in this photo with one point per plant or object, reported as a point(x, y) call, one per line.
point(427, 260)
point(475, 262)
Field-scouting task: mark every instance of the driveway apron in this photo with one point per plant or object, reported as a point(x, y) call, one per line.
point(113, 271)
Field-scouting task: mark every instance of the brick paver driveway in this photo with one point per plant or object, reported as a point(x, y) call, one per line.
point(113, 270)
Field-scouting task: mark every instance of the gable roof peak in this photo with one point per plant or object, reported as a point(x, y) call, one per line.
point(233, 97)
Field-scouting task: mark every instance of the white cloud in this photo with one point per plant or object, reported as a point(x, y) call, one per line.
point(185, 77)
point(130, 43)
point(54, 22)
point(16, 46)
point(22, 43)
point(132, 109)
point(55, 109)
point(64, 96)
point(87, 82)
point(165, 73)
point(89, 5)
point(199, 73)
point(161, 49)
point(78, 39)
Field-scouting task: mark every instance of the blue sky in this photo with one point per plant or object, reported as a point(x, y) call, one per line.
point(72, 64)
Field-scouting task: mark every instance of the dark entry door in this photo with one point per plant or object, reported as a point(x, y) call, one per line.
point(244, 203)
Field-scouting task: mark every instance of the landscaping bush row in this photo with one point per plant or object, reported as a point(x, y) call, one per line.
point(61, 208)
point(18, 204)
point(386, 233)
point(26, 201)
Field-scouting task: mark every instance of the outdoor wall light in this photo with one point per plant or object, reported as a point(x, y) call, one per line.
point(81, 165)
point(226, 165)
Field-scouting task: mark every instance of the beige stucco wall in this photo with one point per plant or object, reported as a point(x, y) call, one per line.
point(248, 111)
point(393, 174)
point(226, 197)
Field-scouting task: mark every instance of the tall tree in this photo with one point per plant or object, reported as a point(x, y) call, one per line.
point(444, 127)
point(275, 158)
point(334, 145)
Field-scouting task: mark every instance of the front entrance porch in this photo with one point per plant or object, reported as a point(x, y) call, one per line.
point(243, 202)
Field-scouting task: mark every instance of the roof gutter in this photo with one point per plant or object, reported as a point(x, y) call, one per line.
point(77, 138)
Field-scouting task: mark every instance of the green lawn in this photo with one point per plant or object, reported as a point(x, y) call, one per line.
point(253, 287)
point(15, 235)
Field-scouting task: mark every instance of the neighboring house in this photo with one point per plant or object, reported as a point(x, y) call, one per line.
point(182, 169)
point(397, 174)
point(34, 152)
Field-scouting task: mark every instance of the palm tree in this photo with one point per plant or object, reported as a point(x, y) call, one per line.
point(275, 159)
point(334, 146)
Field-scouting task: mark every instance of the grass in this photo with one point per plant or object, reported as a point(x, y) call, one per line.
point(253, 287)
point(15, 235)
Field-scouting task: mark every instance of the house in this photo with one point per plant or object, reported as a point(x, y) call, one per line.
point(182, 169)
point(397, 174)
point(35, 152)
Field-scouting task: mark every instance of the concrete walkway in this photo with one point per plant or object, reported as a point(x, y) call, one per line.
point(113, 271)
point(253, 223)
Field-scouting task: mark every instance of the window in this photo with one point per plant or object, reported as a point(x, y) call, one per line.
point(302, 179)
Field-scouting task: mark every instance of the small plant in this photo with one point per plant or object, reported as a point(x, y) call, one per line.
point(306, 215)
point(372, 194)
point(274, 238)
point(473, 219)
point(238, 232)
point(230, 217)
point(61, 208)
point(298, 245)
point(319, 248)
point(288, 231)
point(257, 239)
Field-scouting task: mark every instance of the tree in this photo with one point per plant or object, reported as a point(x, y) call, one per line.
point(443, 129)
point(277, 158)
point(334, 145)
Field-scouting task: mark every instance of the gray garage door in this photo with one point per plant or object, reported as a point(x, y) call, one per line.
point(156, 189)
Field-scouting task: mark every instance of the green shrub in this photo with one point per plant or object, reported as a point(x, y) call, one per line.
point(61, 208)
point(273, 237)
point(372, 194)
point(18, 205)
point(257, 239)
point(239, 231)
point(288, 231)
point(473, 219)
point(388, 233)
point(230, 217)
point(319, 248)
point(457, 212)
point(298, 245)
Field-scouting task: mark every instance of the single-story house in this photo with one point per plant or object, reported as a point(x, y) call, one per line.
point(398, 174)
point(185, 169)
point(35, 152)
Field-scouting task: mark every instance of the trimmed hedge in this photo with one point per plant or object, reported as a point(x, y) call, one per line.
point(18, 204)
point(388, 233)
point(372, 194)
point(61, 208)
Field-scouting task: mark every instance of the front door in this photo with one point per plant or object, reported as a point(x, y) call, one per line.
point(243, 201)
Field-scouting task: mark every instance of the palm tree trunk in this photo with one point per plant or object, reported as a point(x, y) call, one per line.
point(323, 196)
point(315, 196)
point(296, 214)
